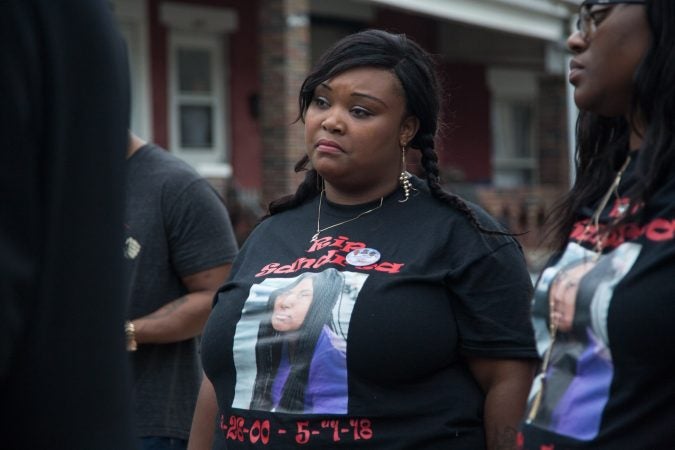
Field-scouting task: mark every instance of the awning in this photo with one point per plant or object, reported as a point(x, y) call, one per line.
point(541, 19)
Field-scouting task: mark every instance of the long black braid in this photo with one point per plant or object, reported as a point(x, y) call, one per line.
point(430, 165)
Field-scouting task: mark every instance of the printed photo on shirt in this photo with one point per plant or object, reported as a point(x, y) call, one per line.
point(291, 353)
point(575, 295)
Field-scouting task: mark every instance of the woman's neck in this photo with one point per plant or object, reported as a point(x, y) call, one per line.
point(360, 196)
point(635, 140)
point(637, 132)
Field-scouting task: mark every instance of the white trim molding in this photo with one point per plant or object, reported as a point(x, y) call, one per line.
point(541, 19)
point(207, 19)
point(132, 17)
point(130, 9)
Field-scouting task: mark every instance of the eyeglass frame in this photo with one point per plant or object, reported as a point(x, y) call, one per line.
point(585, 23)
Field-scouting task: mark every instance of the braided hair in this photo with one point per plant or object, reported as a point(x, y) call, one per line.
point(415, 69)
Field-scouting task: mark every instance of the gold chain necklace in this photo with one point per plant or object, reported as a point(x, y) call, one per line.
point(320, 230)
point(595, 218)
point(599, 246)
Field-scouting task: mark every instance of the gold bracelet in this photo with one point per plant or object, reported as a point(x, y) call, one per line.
point(130, 332)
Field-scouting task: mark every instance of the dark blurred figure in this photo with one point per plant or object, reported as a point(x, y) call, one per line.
point(64, 111)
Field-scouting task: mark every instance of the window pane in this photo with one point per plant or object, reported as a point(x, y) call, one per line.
point(194, 70)
point(513, 178)
point(196, 127)
point(513, 158)
point(522, 129)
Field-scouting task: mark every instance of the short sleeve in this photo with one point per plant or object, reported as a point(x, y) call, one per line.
point(492, 297)
point(199, 230)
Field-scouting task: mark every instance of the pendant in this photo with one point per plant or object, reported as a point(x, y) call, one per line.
point(314, 238)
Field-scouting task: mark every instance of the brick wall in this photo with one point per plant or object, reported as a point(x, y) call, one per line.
point(552, 132)
point(285, 54)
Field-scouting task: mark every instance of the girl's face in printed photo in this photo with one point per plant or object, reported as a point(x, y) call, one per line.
point(290, 307)
point(563, 295)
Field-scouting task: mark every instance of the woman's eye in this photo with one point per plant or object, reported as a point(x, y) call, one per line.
point(320, 102)
point(361, 113)
point(598, 15)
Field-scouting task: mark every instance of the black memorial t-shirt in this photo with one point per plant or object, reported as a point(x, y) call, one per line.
point(393, 301)
point(610, 382)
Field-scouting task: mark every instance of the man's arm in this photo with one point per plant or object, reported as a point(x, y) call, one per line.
point(184, 317)
point(506, 383)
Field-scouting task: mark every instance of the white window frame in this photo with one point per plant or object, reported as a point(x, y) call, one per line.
point(200, 28)
point(511, 88)
point(215, 99)
point(132, 17)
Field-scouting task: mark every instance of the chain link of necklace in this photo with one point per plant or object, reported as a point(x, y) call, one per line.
point(320, 230)
point(599, 246)
point(595, 218)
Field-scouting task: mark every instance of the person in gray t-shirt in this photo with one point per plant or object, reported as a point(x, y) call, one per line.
point(180, 245)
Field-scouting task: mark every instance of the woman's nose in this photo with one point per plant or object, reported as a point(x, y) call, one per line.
point(333, 123)
point(576, 42)
point(285, 301)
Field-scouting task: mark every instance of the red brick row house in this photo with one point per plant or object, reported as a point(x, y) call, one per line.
point(216, 82)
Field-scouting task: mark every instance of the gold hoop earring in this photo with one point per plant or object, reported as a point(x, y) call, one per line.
point(404, 178)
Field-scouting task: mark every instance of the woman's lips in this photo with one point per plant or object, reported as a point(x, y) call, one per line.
point(575, 72)
point(326, 146)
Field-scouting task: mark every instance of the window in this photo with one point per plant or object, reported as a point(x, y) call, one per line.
point(514, 159)
point(198, 83)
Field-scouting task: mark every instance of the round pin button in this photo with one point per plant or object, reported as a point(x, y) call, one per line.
point(363, 257)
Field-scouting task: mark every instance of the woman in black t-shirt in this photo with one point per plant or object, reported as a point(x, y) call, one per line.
point(606, 380)
point(434, 313)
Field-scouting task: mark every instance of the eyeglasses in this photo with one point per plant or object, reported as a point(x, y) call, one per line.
point(589, 20)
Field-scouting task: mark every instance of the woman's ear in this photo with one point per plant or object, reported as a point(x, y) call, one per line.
point(408, 129)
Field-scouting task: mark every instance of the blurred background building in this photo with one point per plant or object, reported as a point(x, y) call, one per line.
point(216, 83)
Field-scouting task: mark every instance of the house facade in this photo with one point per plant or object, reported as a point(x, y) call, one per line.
point(216, 83)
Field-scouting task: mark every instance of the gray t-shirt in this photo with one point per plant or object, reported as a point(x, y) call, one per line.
point(176, 225)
